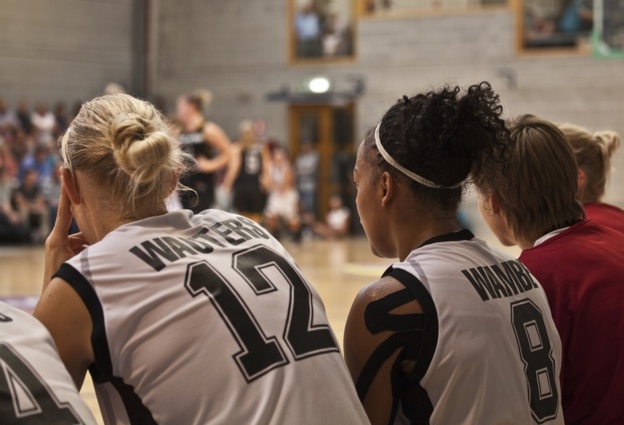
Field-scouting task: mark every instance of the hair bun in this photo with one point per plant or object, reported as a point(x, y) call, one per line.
point(138, 150)
point(609, 140)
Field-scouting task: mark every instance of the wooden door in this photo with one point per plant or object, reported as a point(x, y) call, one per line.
point(330, 130)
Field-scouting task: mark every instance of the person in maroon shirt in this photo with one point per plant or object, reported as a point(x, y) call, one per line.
point(579, 262)
point(593, 157)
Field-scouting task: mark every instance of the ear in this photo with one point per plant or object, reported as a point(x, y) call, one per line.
point(388, 188)
point(71, 186)
point(582, 180)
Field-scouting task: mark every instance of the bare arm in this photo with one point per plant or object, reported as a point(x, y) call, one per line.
point(217, 138)
point(265, 177)
point(63, 313)
point(233, 168)
point(60, 308)
point(370, 353)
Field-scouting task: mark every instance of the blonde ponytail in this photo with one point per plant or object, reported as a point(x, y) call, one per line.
point(609, 140)
point(593, 156)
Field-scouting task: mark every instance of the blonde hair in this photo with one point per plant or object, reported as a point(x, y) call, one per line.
point(125, 146)
point(538, 191)
point(593, 155)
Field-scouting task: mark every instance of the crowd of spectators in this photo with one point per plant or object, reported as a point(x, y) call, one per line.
point(29, 175)
point(284, 193)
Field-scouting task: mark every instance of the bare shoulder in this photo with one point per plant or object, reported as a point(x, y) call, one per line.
point(381, 289)
point(212, 128)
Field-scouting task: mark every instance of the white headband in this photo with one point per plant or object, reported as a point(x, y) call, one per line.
point(408, 173)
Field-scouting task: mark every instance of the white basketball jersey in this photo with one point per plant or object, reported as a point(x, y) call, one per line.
point(493, 351)
point(206, 319)
point(35, 387)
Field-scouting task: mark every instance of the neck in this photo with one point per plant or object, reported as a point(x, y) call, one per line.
point(99, 220)
point(194, 122)
point(420, 231)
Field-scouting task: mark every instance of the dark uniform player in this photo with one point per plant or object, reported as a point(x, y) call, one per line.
point(208, 144)
point(248, 172)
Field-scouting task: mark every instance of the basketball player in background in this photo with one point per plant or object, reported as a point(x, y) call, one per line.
point(247, 173)
point(593, 157)
point(180, 318)
point(455, 331)
point(207, 143)
point(35, 387)
point(579, 262)
point(283, 202)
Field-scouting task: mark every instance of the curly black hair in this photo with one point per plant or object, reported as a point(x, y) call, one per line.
point(444, 137)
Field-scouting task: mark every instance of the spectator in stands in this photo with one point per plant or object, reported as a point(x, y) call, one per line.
point(337, 221)
point(23, 115)
point(31, 206)
point(283, 202)
point(593, 157)
point(40, 160)
point(44, 124)
point(11, 228)
point(9, 124)
point(308, 31)
point(61, 117)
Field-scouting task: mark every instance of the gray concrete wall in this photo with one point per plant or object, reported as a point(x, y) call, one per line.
point(66, 50)
point(69, 49)
point(239, 50)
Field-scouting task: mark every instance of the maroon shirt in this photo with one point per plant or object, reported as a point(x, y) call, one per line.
point(607, 215)
point(582, 271)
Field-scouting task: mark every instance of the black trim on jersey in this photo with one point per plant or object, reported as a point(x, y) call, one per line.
point(136, 410)
point(412, 394)
point(462, 235)
point(102, 369)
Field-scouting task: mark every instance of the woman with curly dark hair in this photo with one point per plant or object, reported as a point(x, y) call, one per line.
point(455, 332)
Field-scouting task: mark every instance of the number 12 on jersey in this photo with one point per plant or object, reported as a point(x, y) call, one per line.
point(261, 353)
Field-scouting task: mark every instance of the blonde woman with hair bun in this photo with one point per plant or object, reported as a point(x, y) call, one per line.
point(593, 156)
point(180, 318)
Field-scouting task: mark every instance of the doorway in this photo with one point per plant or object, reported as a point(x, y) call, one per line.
point(330, 130)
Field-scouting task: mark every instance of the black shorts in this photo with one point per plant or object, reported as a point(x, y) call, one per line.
point(249, 200)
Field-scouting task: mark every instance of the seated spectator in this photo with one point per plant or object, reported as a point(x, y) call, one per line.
point(41, 160)
point(337, 221)
point(44, 124)
point(579, 263)
point(593, 157)
point(283, 202)
point(24, 116)
point(62, 119)
point(31, 206)
point(11, 228)
point(9, 124)
point(41, 389)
